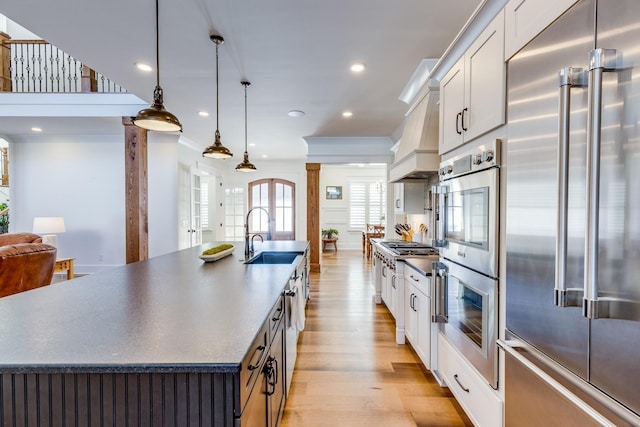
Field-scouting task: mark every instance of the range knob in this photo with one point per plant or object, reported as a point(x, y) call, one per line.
point(477, 159)
point(449, 169)
point(488, 155)
point(442, 171)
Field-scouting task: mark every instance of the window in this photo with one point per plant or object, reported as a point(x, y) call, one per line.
point(204, 206)
point(367, 202)
point(234, 214)
point(277, 196)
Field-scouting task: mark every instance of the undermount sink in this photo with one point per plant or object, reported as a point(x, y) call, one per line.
point(273, 258)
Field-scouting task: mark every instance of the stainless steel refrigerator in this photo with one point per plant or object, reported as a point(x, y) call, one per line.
point(573, 220)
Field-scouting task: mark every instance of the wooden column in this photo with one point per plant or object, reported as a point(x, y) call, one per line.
point(89, 83)
point(313, 215)
point(4, 155)
point(5, 62)
point(136, 210)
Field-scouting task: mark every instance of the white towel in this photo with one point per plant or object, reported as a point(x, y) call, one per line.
point(297, 306)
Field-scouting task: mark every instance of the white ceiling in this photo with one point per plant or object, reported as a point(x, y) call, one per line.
point(296, 54)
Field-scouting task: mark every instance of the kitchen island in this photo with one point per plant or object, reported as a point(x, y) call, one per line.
point(166, 341)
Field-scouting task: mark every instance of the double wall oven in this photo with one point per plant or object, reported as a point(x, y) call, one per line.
point(466, 276)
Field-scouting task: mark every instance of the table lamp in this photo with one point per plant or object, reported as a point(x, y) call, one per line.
point(48, 226)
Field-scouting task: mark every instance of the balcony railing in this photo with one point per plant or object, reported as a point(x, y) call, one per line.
point(37, 66)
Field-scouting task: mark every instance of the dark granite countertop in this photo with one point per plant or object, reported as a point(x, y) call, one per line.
point(169, 313)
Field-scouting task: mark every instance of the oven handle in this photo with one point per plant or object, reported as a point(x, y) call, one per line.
point(439, 300)
point(568, 78)
point(438, 195)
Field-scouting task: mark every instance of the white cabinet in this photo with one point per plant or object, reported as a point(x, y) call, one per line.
point(472, 93)
point(418, 313)
point(525, 19)
point(389, 287)
point(409, 198)
point(482, 404)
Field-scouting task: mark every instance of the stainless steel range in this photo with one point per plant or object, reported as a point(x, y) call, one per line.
point(389, 275)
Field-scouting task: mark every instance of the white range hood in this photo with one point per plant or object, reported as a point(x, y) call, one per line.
point(417, 155)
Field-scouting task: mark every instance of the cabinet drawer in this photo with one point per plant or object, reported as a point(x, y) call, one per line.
point(482, 404)
point(419, 280)
point(275, 317)
point(252, 365)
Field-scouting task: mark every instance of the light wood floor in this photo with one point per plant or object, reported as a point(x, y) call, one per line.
point(350, 372)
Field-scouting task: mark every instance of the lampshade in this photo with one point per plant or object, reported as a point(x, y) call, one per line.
point(217, 150)
point(156, 117)
point(48, 226)
point(245, 165)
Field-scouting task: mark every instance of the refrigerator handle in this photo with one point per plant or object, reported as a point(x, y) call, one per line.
point(567, 78)
point(439, 300)
point(600, 60)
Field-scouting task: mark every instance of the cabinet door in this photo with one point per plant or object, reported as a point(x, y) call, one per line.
point(484, 87)
point(393, 293)
point(451, 106)
point(398, 198)
point(422, 306)
point(275, 378)
point(410, 198)
point(411, 316)
point(384, 282)
point(524, 19)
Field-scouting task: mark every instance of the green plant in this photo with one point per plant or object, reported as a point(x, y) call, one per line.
point(4, 218)
point(328, 233)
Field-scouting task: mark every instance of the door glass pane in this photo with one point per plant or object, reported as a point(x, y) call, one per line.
point(467, 217)
point(466, 312)
point(277, 197)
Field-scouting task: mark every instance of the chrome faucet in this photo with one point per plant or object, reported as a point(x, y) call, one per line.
point(248, 250)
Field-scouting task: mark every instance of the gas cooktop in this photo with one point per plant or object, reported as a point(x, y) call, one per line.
point(410, 248)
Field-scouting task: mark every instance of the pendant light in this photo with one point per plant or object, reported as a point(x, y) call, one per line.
point(217, 150)
point(155, 117)
point(246, 165)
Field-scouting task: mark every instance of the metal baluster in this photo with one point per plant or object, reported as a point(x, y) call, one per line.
point(22, 67)
point(40, 67)
point(57, 68)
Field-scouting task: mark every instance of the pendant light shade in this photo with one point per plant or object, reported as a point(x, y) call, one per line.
point(217, 150)
point(156, 117)
point(246, 165)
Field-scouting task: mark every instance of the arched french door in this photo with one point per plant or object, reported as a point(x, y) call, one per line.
point(278, 197)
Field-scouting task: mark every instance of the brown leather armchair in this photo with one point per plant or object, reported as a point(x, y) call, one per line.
point(25, 263)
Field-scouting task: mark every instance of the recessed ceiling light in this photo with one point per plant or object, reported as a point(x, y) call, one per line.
point(296, 113)
point(264, 156)
point(358, 67)
point(203, 113)
point(36, 129)
point(143, 67)
point(252, 145)
point(347, 114)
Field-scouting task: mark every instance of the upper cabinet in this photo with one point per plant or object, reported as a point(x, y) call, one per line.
point(472, 93)
point(524, 19)
point(410, 198)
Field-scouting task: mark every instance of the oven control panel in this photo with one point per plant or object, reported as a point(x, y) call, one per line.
point(474, 159)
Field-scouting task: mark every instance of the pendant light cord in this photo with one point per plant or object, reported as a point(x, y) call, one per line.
point(157, 47)
point(217, 93)
point(245, 116)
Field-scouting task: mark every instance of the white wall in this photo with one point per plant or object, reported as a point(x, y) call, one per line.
point(81, 178)
point(335, 213)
